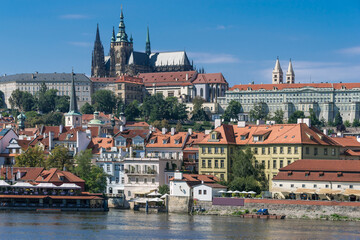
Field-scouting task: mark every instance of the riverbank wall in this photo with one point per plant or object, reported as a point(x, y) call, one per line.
point(290, 208)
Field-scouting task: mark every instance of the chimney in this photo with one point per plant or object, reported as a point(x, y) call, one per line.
point(51, 140)
point(178, 175)
point(187, 77)
point(190, 131)
point(163, 131)
point(61, 127)
point(299, 120)
point(121, 128)
point(259, 122)
point(172, 131)
point(131, 152)
point(217, 123)
point(325, 131)
point(307, 121)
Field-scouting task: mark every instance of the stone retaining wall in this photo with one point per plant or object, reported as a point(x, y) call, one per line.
point(179, 204)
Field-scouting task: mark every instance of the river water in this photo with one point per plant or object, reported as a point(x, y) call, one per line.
point(125, 224)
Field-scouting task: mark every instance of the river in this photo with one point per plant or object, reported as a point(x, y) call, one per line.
point(124, 224)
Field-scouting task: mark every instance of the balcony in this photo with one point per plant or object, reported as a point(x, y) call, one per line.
point(148, 172)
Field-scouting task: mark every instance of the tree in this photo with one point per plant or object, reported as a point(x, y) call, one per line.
point(132, 110)
point(46, 99)
point(258, 112)
point(245, 174)
point(295, 115)
point(356, 123)
point(198, 127)
point(278, 116)
point(179, 127)
point(87, 109)
point(33, 157)
point(104, 101)
point(164, 189)
point(94, 176)
point(2, 99)
point(198, 113)
point(174, 109)
point(22, 100)
point(165, 124)
point(347, 123)
point(62, 104)
point(59, 158)
point(338, 119)
point(314, 120)
point(232, 111)
point(156, 124)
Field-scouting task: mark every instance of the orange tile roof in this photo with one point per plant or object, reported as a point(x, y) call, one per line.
point(347, 141)
point(168, 78)
point(350, 152)
point(321, 170)
point(193, 140)
point(278, 134)
point(89, 117)
point(137, 124)
point(253, 87)
point(100, 142)
point(209, 78)
point(195, 179)
point(31, 172)
point(159, 138)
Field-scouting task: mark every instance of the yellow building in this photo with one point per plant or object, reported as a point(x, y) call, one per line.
point(274, 146)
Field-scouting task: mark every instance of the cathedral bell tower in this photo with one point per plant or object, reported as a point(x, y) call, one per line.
point(290, 74)
point(120, 50)
point(98, 61)
point(73, 118)
point(277, 73)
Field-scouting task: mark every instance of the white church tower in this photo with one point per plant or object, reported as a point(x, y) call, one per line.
point(73, 118)
point(290, 75)
point(277, 73)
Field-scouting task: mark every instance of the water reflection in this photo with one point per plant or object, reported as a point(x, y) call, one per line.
point(118, 224)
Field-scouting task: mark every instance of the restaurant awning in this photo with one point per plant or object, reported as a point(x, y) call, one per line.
point(154, 194)
point(23, 184)
point(46, 185)
point(4, 184)
point(278, 189)
point(155, 200)
point(328, 191)
point(69, 186)
point(305, 190)
point(349, 192)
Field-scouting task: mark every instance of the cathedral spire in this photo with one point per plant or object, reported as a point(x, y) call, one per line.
point(97, 38)
point(98, 63)
point(113, 35)
point(121, 36)
point(277, 65)
point(277, 73)
point(290, 68)
point(148, 48)
point(73, 102)
point(290, 74)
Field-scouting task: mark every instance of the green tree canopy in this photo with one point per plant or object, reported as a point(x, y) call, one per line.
point(338, 119)
point(2, 99)
point(22, 100)
point(258, 112)
point(59, 158)
point(32, 157)
point(232, 111)
point(179, 127)
point(295, 115)
point(314, 120)
point(87, 109)
point(198, 113)
point(104, 101)
point(278, 116)
point(163, 189)
point(132, 110)
point(356, 123)
point(94, 176)
point(62, 104)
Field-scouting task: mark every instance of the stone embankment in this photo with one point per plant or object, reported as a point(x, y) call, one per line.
point(290, 208)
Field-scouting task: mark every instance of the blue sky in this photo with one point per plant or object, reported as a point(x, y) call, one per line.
point(241, 39)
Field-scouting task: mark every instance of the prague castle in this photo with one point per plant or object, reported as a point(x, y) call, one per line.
point(123, 60)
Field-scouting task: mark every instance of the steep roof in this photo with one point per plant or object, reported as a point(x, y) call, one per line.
point(347, 141)
point(193, 140)
point(271, 134)
point(168, 78)
point(159, 140)
point(44, 77)
point(195, 179)
point(138, 58)
point(321, 170)
point(159, 59)
point(202, 78)
point(271, 87)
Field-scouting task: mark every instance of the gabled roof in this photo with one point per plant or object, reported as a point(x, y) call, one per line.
point(179, 137)
point(207, 78)
point(347, 141)
point(193, 140)
point(195, 179)
point(159, 59)
point(138, 58)
point(277, 134)
point(100, 142)
point(131, 133)
point(168, 78)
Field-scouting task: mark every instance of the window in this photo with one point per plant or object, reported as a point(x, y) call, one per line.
point(209, 163)
point(303, 185)
point(333, 151)
point(292, 185)
point(281, 150)
point(307, 150)
point(263, 163)
point(216, 163)
point(268, 165)
point(315, 186)
point(108, 168)
point(263, 151)
point(315, 151)
point(339, 186)
point(325, 151)
point(351, 186)
point(296, 150)
point(289, 150)
point(222, 164)
point(203, 164)
point(280, 185)
point(222, 150)
point(137, 180)
point(117, 180)
point(145, 180)
point(326, 186)
point(123, 180)
point(222, 176)
point(203, 150)
point(117, 167)
point(216, 149)
point(204, 192)
point(153, 180)
point(274, 150)
point(200, 192)
point(281, 163)
point(274, 164)
point(129, 180)
point(209, 149)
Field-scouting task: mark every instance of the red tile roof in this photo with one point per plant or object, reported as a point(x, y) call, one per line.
point(197, 178)
point(137, 124)
point(321, 170)
point(209, 78)
point(347, 141)
point(158, 137)
point(100, 142)
point(193, 140)
point(168, 78)
point(253, 87)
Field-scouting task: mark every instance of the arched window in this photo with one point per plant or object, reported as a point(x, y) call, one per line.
point(201, 92)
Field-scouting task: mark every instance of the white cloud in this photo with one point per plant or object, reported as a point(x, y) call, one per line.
point(350, 51)
point(210, 58)
point(74, 16)
point(80, 44)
